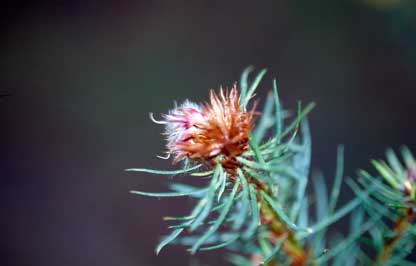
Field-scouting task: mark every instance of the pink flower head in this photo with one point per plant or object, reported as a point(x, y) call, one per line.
point(182, 122)
point(205, 131)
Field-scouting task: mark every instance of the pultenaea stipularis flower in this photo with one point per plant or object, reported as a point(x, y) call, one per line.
point(209, 132)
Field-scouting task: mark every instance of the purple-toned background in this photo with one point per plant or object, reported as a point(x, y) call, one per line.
point(83, 76)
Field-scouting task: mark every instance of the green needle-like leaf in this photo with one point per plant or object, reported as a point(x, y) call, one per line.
point(278, 118)
point(386, 173)
point(336, 188)
point(220, 245)
point(223, 183)
point(274, 252)
point(168, 239)
point(298, 119)
point(168, 194)
point(245, 203)
point(208, 200)
point(345, 243)
point(218, 222)
point(332, 219)
point(163, 172)
point(252, 88)
point(395, 164)
point(407, 157)
point(265, 120)
point(244, 83)
point(251, 228)
point(279, 212)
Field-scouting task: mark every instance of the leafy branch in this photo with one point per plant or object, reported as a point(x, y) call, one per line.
point(256, 202)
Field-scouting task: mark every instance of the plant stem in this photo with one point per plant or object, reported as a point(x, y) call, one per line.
point(400, 227)
point(279, 230)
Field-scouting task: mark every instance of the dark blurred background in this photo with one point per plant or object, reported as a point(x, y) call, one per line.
point(82, 77)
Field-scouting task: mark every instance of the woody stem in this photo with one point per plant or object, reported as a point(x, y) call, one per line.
point(400, 227)
point(290, 246)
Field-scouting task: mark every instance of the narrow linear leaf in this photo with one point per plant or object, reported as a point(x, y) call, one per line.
point(321, 196)
point(163, 172)
point(339, 172)
point(335, 217)
point(279, 212)
point(383, 190)
point(180, 218)
point(264, 245)
point(244, 83)
point(240, 218)
point(251, 228)
point(258, 176)
point(252, 164)
point(206, 173)
point(278, 111)
point(372, 206)
point(220, 245)
point(208, 200)
point(346, 242)
point(303, 217)
point(356, 219)
point(256, 150)
point(168, 194)
point(223, 183)
point(302, 165)
point(377, 237)
point(253, 88)
point(219, 221)
point(298, 119)
point(168, 239)
point(274, 252)
point(190, 240)
point(395, 164)
point(407, 157)
point(218, 207)
point(183, 188)
point(264, 122)
point(385, 172)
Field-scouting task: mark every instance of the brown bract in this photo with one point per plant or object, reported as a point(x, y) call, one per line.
point(218, 130)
